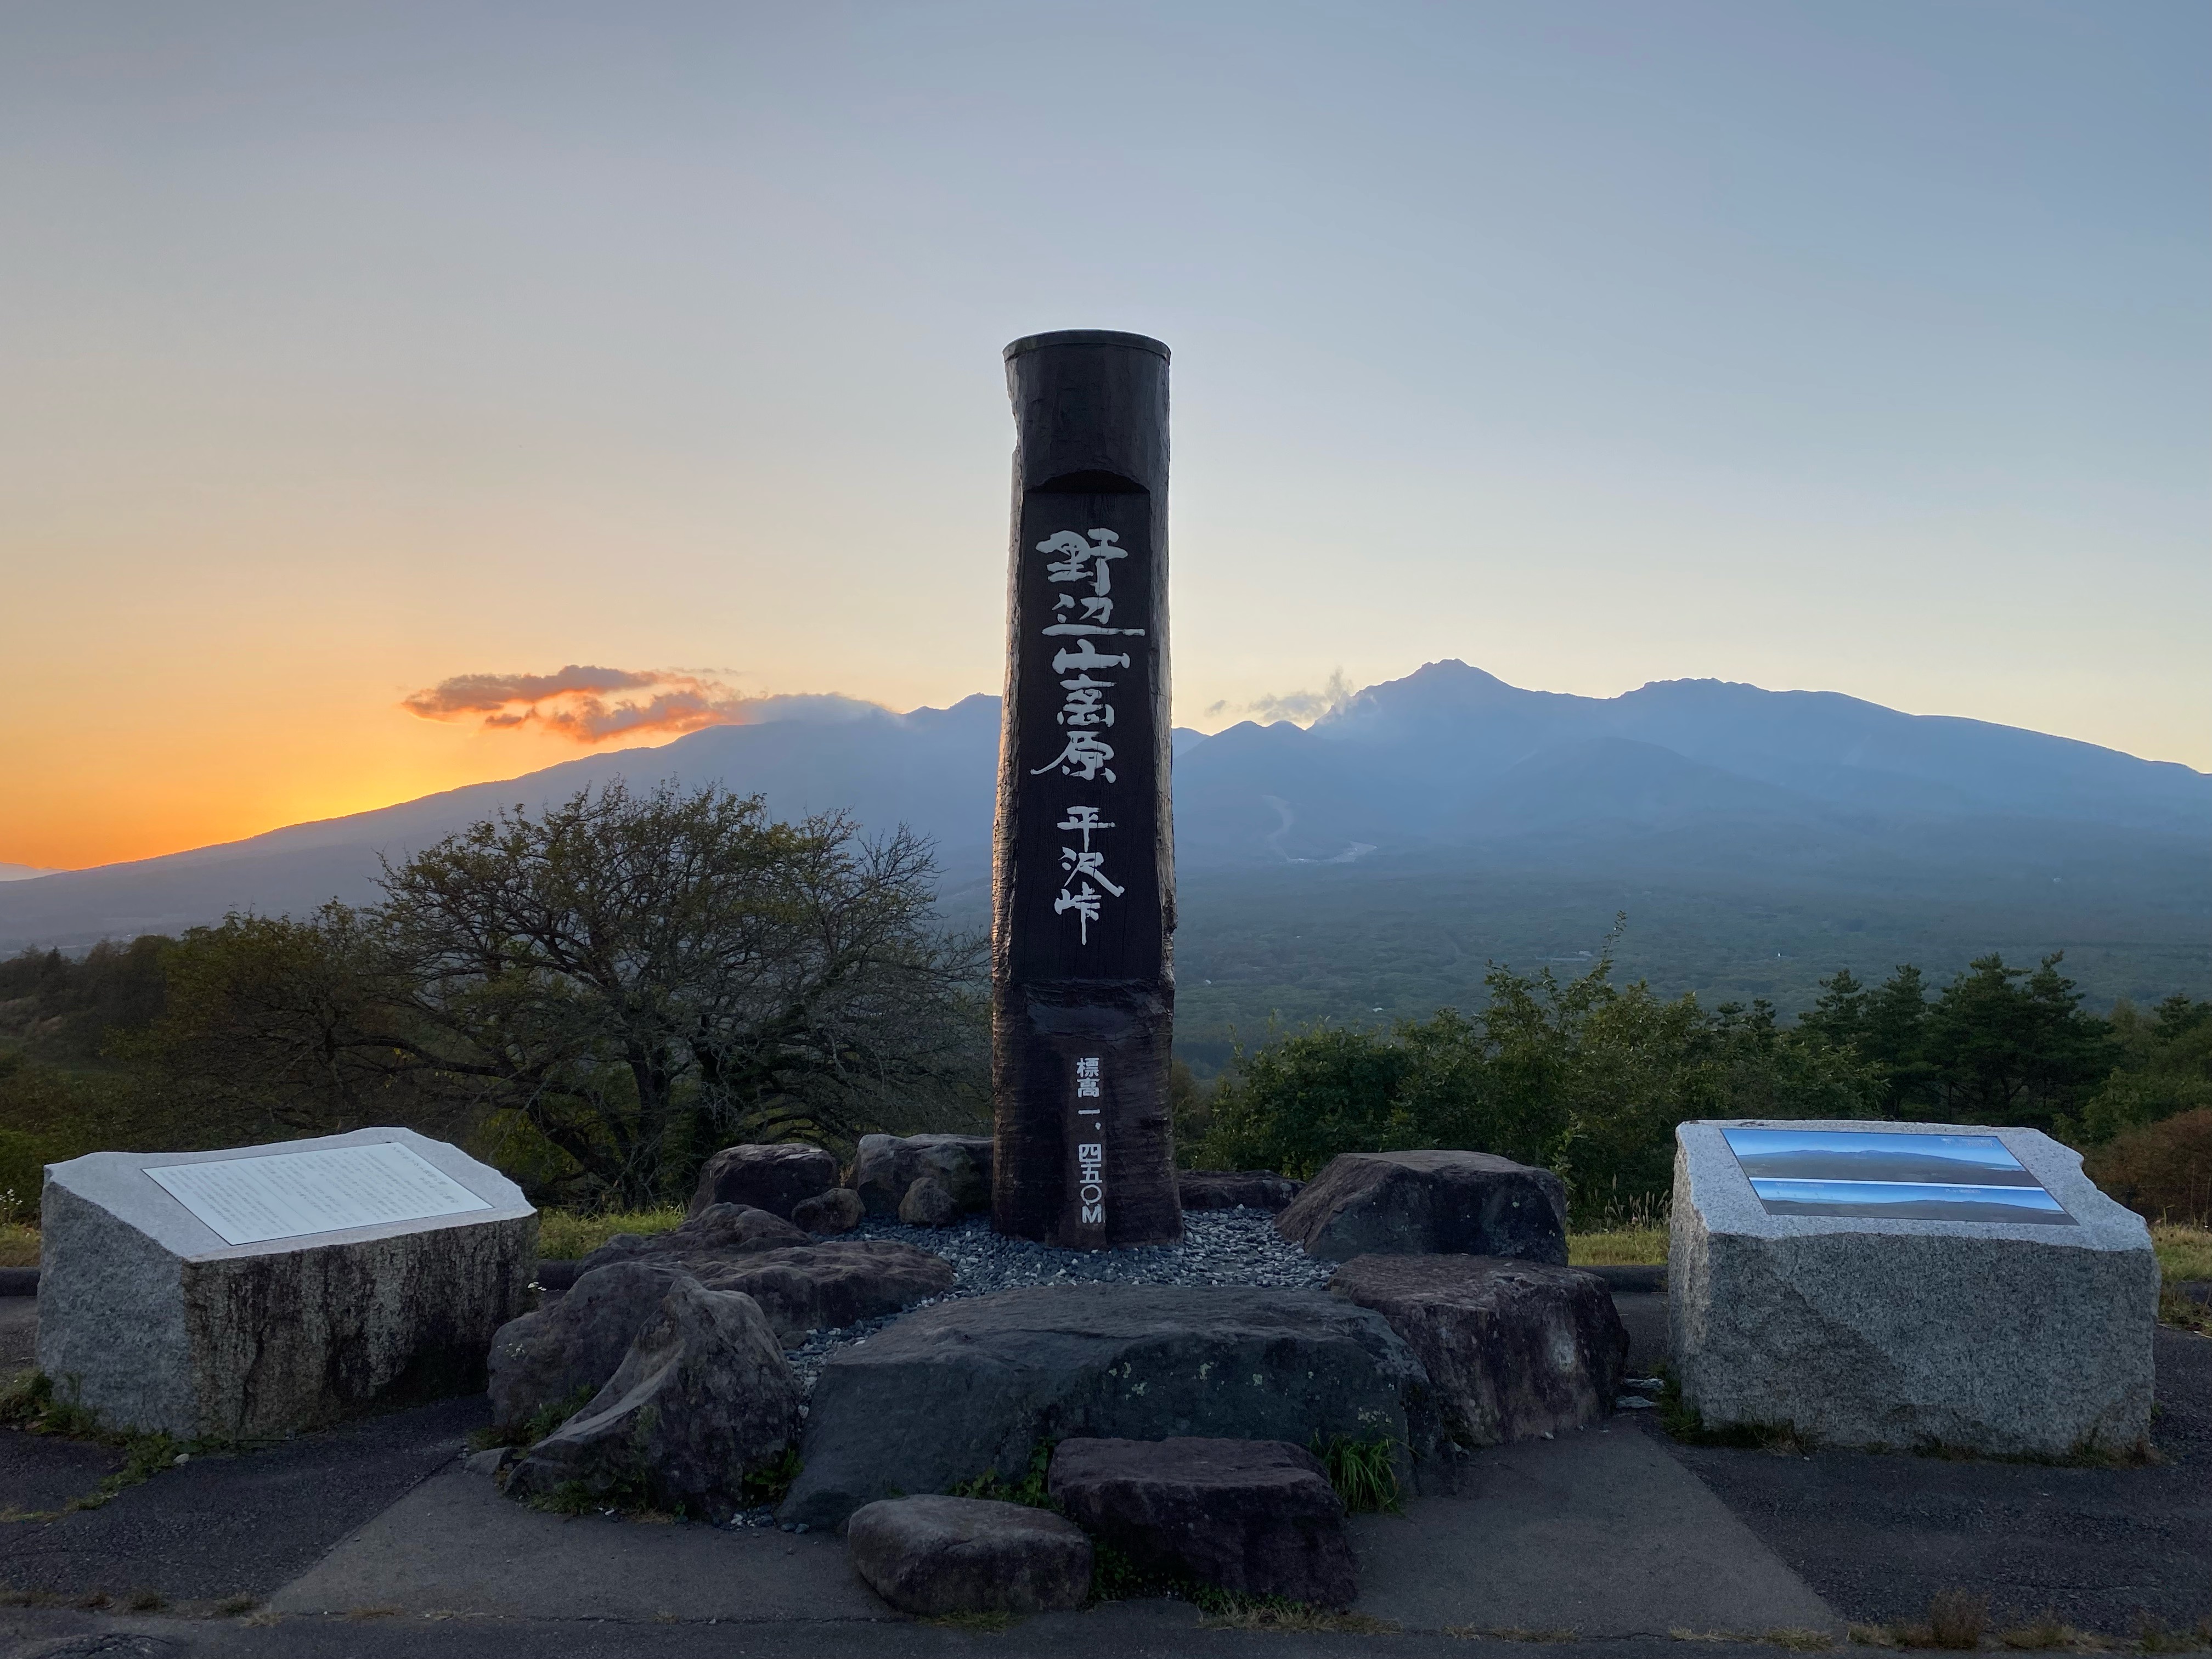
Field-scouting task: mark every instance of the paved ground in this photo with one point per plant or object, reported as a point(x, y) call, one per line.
point(371, 1540)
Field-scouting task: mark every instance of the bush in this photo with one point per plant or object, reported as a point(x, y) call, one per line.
point(1584, 1077)
point(2162, 1170)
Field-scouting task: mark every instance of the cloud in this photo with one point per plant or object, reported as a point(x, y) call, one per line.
point(585, 703)
point(1302, 707)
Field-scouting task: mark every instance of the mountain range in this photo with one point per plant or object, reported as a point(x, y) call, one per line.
point(1436, 798)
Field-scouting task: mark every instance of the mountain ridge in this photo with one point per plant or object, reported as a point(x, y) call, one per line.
point(1447, 779)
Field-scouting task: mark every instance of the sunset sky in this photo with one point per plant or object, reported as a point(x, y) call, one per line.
point(362, 360)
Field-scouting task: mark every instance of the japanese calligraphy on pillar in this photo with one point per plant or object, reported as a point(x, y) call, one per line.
point(1082, 997)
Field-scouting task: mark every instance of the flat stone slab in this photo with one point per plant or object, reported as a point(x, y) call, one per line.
point(1515, 1350)
point(1600, 1533)
point(932, 1556)
point(153, 1316)
point(1909, 1284)
point(972, 1386)
point(1430, 1204)
point(1256, 1516)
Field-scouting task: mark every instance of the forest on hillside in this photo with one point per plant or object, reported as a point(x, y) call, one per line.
point(597, 996)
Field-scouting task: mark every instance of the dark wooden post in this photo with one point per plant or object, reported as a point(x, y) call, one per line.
point(1083, 905)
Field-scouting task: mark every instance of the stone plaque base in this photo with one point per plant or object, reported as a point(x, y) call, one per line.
point(149, 1318)
point(2006, 1338)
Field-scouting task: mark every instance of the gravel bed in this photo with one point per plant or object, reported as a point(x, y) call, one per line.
point(1219, 1247)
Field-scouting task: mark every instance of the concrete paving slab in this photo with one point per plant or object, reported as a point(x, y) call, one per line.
point(1877, 1535)
point(456, 1544)
point(1125, 1630)
point(1598, 1532)
point(222, 1525)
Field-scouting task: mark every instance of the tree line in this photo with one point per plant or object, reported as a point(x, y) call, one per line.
point(598, 995)
point(1588, 1077)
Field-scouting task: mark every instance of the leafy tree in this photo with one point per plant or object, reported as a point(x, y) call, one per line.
point(2165, 1068)
point(2011, 1046)
point(634, 979)
point(1582, 1076)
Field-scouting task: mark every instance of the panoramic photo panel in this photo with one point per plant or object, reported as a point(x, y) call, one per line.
point(1876, 1155)
point(1911, 1200)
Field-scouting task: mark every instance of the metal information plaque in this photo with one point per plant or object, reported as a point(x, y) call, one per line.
point(251, 1200)
point(1884, 1174)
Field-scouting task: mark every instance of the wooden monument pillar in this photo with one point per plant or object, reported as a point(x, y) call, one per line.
point(1082, 902)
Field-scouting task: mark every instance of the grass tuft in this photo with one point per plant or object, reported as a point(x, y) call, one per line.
point(19, 1245)
point(565, 1235)
point(1033, 1490)
point(1226, 1610)
point(534, 1427)
point(995, 1622)
point(769, 1485)
point(1363, 1472)
point(1799, 1640)
point(1629, 1247)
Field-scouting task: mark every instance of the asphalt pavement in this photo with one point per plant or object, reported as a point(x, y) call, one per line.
point(371, 1539)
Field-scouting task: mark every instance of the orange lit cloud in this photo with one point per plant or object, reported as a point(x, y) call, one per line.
point(585, 703)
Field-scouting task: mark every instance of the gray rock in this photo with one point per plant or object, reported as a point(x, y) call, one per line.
point(2009, 1337)
point(1513, 1350)
point(489, 1462)
point(837, 1210)
point(1430, 1204)
point(152, 1320)
point(548, 1358)
point(830, 1285)
point(703, 1398)
point(931, 1556)
point(971, 1386)
point(1234, 1189)
point(927, 1204)
point(775, 1178)
point(885, 1166)
point(713, 1237)
point(1256, 1516)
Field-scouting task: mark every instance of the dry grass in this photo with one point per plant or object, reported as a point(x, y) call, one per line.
point(1629, 1247)
point(1507, 1633)
point(19, 1245)
point(1265, 1613)
point(564, 1235)
point(2183, 1252)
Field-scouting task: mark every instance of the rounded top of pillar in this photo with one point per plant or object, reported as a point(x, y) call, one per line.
point(1085, 337)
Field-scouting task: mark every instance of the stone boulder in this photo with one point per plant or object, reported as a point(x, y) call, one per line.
point(885, 1167)
point(1430, 1204)
point(2015, 1338)
point(548, 1358)
point(711, 1236)
point(932, 1556)
point(1513, 1350)
point(703, 1398)
point(1256, 1516)
point(829, 1285)
point(837, 1210)
point(1236, 1189)
point(775, 1178)
point(927, 1204)
point(263, 1291)
point(971, 1386)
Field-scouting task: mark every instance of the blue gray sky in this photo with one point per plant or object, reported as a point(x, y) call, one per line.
point(353, 349)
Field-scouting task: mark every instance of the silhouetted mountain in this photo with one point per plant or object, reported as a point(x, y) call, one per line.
point(1446, 782)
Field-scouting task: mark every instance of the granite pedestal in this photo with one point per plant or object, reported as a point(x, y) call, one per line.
point(155, 1319)
point(2017, 1323)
